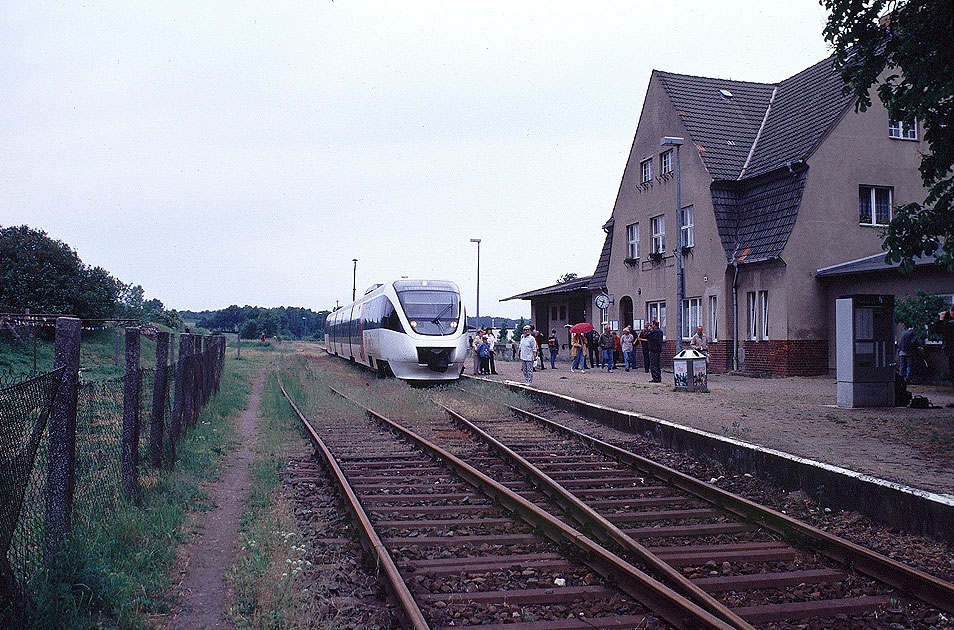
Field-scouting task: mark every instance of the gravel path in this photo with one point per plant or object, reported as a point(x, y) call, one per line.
point(796, 415)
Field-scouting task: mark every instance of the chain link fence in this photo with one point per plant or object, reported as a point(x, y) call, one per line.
point(101, 468)
point(24, 411)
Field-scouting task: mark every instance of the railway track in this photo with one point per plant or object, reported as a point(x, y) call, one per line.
point(768, 568)
point(733, 564)
point(455, 547)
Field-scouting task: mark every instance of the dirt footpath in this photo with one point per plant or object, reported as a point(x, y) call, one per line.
point(796, 415)
point(203, 596)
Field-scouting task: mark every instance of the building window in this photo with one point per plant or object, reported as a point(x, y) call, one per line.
point(553, 312)
point(659, 234)
point(902, 130)
point(665, 162)
point(656, 311)
point(687, 227)
point(763, 315)
point(691, 317)
point(874, 205)
point(562, 312)
point(646, 170)
point(753, 316)
point(632, 240)
point(713, 318)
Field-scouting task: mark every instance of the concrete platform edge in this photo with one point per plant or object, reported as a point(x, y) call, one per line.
point(893, 504)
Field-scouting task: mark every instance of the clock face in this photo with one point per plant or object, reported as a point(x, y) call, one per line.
point(602, 301)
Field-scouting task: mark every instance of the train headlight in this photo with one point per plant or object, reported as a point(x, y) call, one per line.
point(453, 324)
point(413, 324)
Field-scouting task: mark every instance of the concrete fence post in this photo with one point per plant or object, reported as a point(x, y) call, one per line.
point(132, 384)
point(179, 394)
point(160, 391)
point(61, 454)
point(186, 356)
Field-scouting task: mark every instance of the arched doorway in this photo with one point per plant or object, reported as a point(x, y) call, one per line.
point(625, 312)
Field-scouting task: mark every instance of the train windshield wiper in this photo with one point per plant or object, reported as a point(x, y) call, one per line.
point(437, 318)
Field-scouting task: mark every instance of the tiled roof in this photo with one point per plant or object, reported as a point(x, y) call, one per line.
point(756, 217)
point(806, 107)
point(754, 139)
point(722, 127)
point(577, 284)
point(602, 267)
point(761, 126)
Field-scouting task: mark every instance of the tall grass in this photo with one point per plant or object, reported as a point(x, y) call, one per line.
point(116, 573)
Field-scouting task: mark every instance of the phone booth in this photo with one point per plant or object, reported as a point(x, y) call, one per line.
point(864, 347)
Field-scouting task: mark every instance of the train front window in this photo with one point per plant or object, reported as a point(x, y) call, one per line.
point(431, 312)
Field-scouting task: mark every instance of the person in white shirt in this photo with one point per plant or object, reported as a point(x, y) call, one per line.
point(492, 340)
point(528, 354)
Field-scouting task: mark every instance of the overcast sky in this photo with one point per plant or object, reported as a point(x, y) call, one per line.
point(225, 153)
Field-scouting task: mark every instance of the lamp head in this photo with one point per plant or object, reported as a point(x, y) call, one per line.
point(672, 141)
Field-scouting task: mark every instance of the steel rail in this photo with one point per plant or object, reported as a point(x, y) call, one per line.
point(916, 583)
point(602, 528)
point(409, 610)
point(661, 599)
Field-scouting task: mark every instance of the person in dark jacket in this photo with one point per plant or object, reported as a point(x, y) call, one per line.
point(645, 345)
point(654, 340)
point(608, 346)
point(593, 348)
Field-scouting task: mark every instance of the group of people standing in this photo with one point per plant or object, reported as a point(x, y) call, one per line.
point(601, 349)
point(483, 347)
point(604, 348)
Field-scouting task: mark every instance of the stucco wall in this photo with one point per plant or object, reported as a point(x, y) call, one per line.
point(650, 281)
point(857, 152)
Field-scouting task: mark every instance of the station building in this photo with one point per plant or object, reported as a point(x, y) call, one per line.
point(785, 191)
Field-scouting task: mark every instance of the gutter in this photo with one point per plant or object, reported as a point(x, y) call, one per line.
point(735, 317)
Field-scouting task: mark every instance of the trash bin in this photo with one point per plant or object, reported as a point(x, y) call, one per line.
point(689, 368)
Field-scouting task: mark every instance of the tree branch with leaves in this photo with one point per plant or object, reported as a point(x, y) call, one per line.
point(906, 48)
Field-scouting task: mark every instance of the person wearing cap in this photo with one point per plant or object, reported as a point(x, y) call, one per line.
point(554, 344)
point(528, 354)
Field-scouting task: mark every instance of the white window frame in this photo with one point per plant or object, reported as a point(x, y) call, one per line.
point(753, 316)
point(687, 226)
point(763, 315)
point(900, 130)
point(657, 311)
point(632, 240)
point(659, 234)
point(869, 194)
point(665, 162)
point(713, 317)
point(691, 317)
point(646, 170)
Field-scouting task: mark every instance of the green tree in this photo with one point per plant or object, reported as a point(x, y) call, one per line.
point(913, 40)
point(46, 276)
point(504, 331)
point(921, 312)
point(567, 277)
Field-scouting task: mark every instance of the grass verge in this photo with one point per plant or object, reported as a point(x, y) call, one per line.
point(118, 573)
point(273, 555)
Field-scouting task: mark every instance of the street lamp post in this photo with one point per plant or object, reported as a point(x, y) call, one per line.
point(354, 280)
point(680, 273)
point(477, 240)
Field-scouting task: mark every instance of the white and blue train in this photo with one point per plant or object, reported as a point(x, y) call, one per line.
point(413, 329)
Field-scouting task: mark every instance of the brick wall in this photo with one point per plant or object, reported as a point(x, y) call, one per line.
point(790, 357)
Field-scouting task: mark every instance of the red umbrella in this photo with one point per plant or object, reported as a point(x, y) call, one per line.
point(582, 328)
